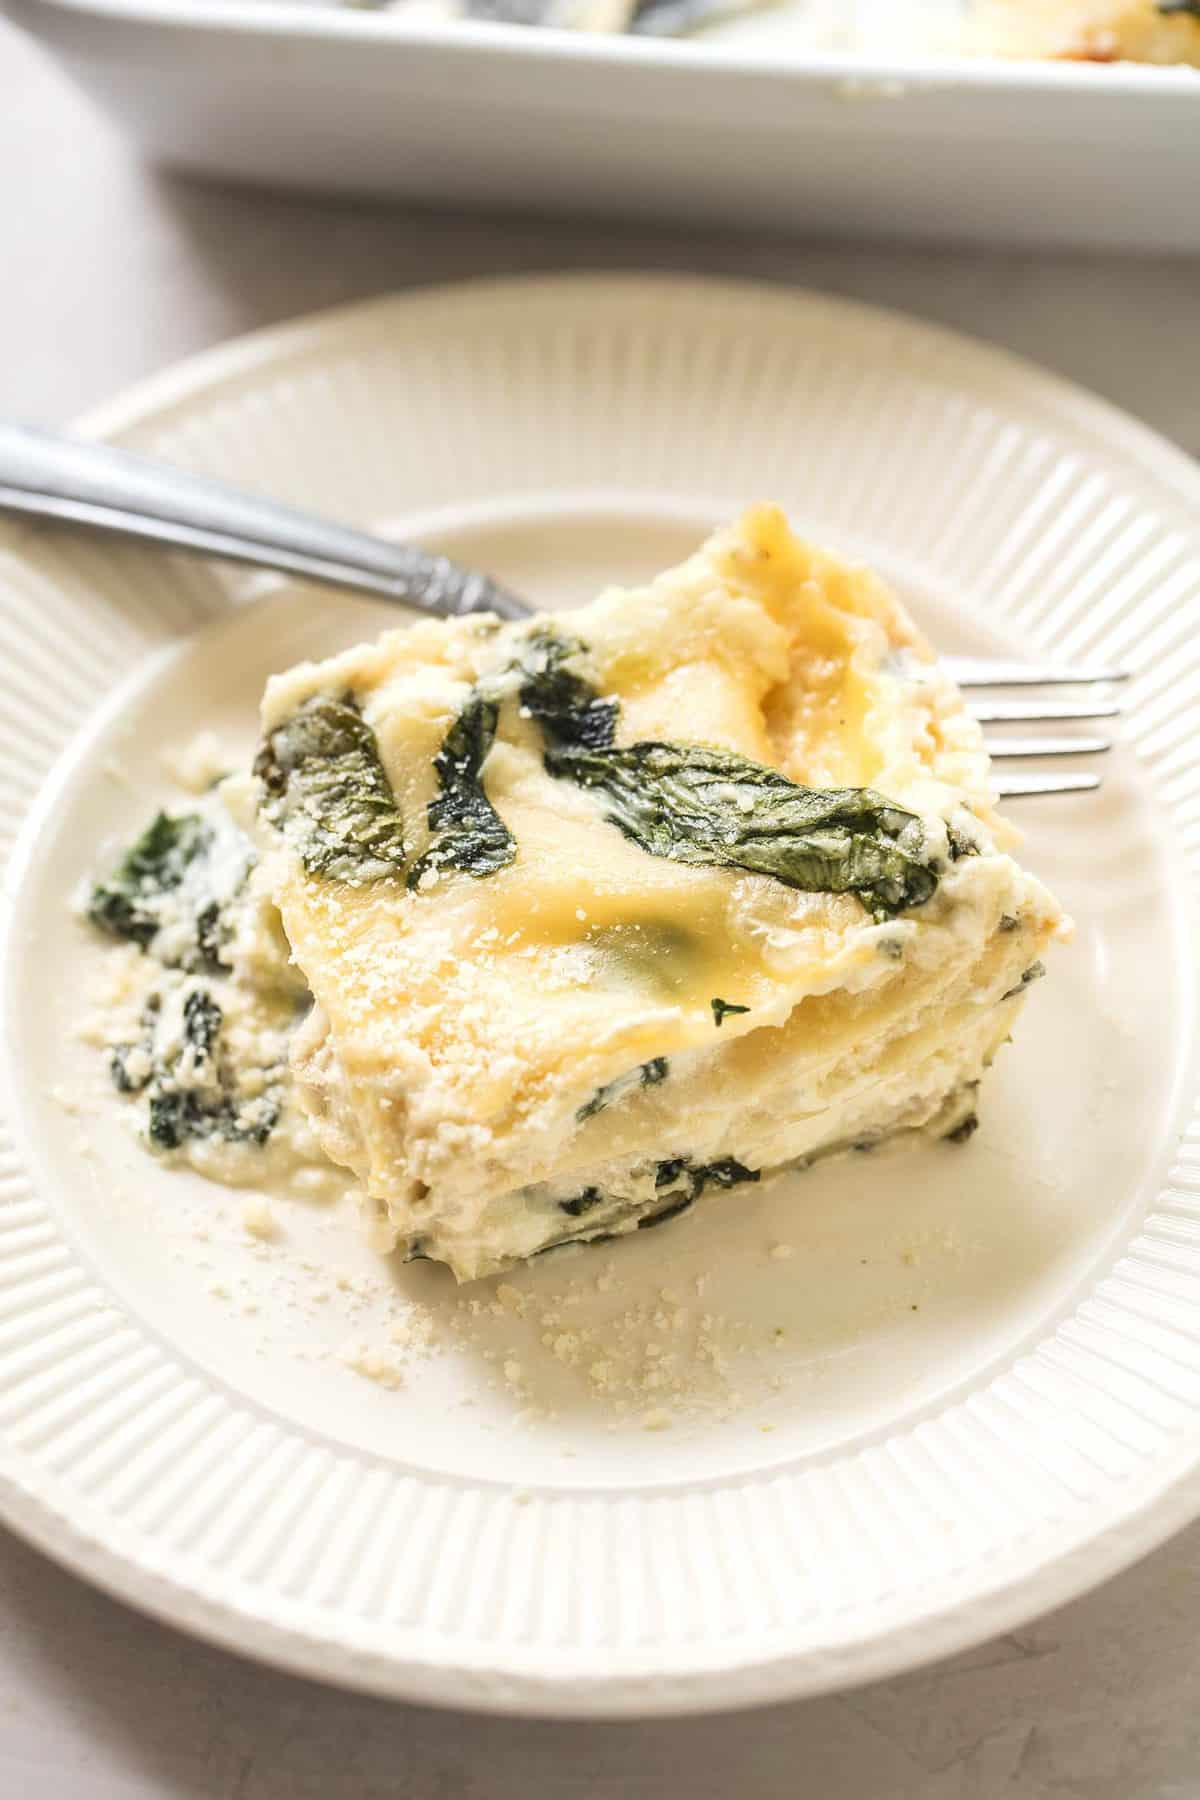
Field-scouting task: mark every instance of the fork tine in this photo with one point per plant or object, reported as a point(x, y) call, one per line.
point(1017, 787)
point(1041, 712)
point(986, 671)
point(998, 748)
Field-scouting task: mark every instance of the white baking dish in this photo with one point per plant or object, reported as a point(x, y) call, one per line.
point(761, 133)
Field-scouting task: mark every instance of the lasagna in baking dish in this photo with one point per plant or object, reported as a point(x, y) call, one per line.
point(607, 911)
point(1153, 31)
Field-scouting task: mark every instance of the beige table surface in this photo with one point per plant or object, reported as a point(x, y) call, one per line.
point(107, 272)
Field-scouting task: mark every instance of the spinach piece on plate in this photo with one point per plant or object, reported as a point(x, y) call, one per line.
point(169, 892)
point(191, 1090)
point(130, 904)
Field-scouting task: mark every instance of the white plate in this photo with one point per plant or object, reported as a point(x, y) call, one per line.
point(986, 1395)
point(763, 131)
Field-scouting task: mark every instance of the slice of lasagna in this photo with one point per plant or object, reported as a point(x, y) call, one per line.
point(606, 910)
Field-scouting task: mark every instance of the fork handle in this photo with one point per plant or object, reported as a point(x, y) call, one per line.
point(80, 483)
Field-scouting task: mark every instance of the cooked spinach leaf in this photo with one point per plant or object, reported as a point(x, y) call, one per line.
point(202, 1021)
point(1188, 8)
point(692, 1179)
point(695, 803)
point(959, 844)
point(326, 789)
point(1034, 972)
point(210, 936)
point(174, 1116)
point(130, 904)
point(724, 1009)
point(177, 1114)
point(726, 1172)
point(582, 1203)
point(192, 1093)
point(565, 705)
point(475, 839)
point(669, 1170)
point(647, 1075)
point(602, 1097)
point(170, 891)
point(701, 804)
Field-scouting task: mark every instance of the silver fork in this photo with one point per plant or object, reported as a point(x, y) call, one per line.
point(974, 672)
point(85, 484)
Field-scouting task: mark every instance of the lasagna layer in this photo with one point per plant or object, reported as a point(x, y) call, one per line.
point(607, 910)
